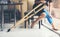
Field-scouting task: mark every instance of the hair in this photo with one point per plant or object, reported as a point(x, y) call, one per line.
point(38, 1)
point(9, 1)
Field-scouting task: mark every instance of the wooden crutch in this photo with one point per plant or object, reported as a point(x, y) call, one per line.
point(26, 17)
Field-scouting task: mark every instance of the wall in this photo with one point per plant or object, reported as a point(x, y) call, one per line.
point(56, 3)
point(57, 8)
point(30, 5)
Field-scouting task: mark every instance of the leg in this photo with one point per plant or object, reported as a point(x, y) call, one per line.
point(40, 17)
point(49, 18)
point(51, 22)
point(26, 23)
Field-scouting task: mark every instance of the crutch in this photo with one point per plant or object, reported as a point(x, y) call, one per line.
point(26, 17)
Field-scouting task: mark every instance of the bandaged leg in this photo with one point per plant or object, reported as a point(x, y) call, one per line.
point(49, 18)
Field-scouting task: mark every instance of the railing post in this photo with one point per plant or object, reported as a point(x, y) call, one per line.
point(2, 18)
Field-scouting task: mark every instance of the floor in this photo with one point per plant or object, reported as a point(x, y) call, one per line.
point(35, 32)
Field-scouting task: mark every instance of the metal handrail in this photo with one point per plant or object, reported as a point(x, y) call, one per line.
point(11, 3)
point(2, 4)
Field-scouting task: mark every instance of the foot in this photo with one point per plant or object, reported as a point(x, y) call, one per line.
point(55, 29)
point(31, 27)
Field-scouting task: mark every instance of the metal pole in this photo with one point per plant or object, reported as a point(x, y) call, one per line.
point(2, 18)
point(14, 15)
point(39, 24)
point(20, 6)
point(52, 30)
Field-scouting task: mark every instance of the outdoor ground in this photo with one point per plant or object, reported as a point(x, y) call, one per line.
point(35, 32)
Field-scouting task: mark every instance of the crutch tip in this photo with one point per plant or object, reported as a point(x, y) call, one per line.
point(8, 30)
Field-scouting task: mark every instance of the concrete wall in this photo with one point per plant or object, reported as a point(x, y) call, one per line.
point(56, 3)
point(57, 8)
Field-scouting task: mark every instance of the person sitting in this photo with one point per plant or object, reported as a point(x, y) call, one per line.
point(42, 14)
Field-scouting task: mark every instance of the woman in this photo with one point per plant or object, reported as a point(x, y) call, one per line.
point(42, 14)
